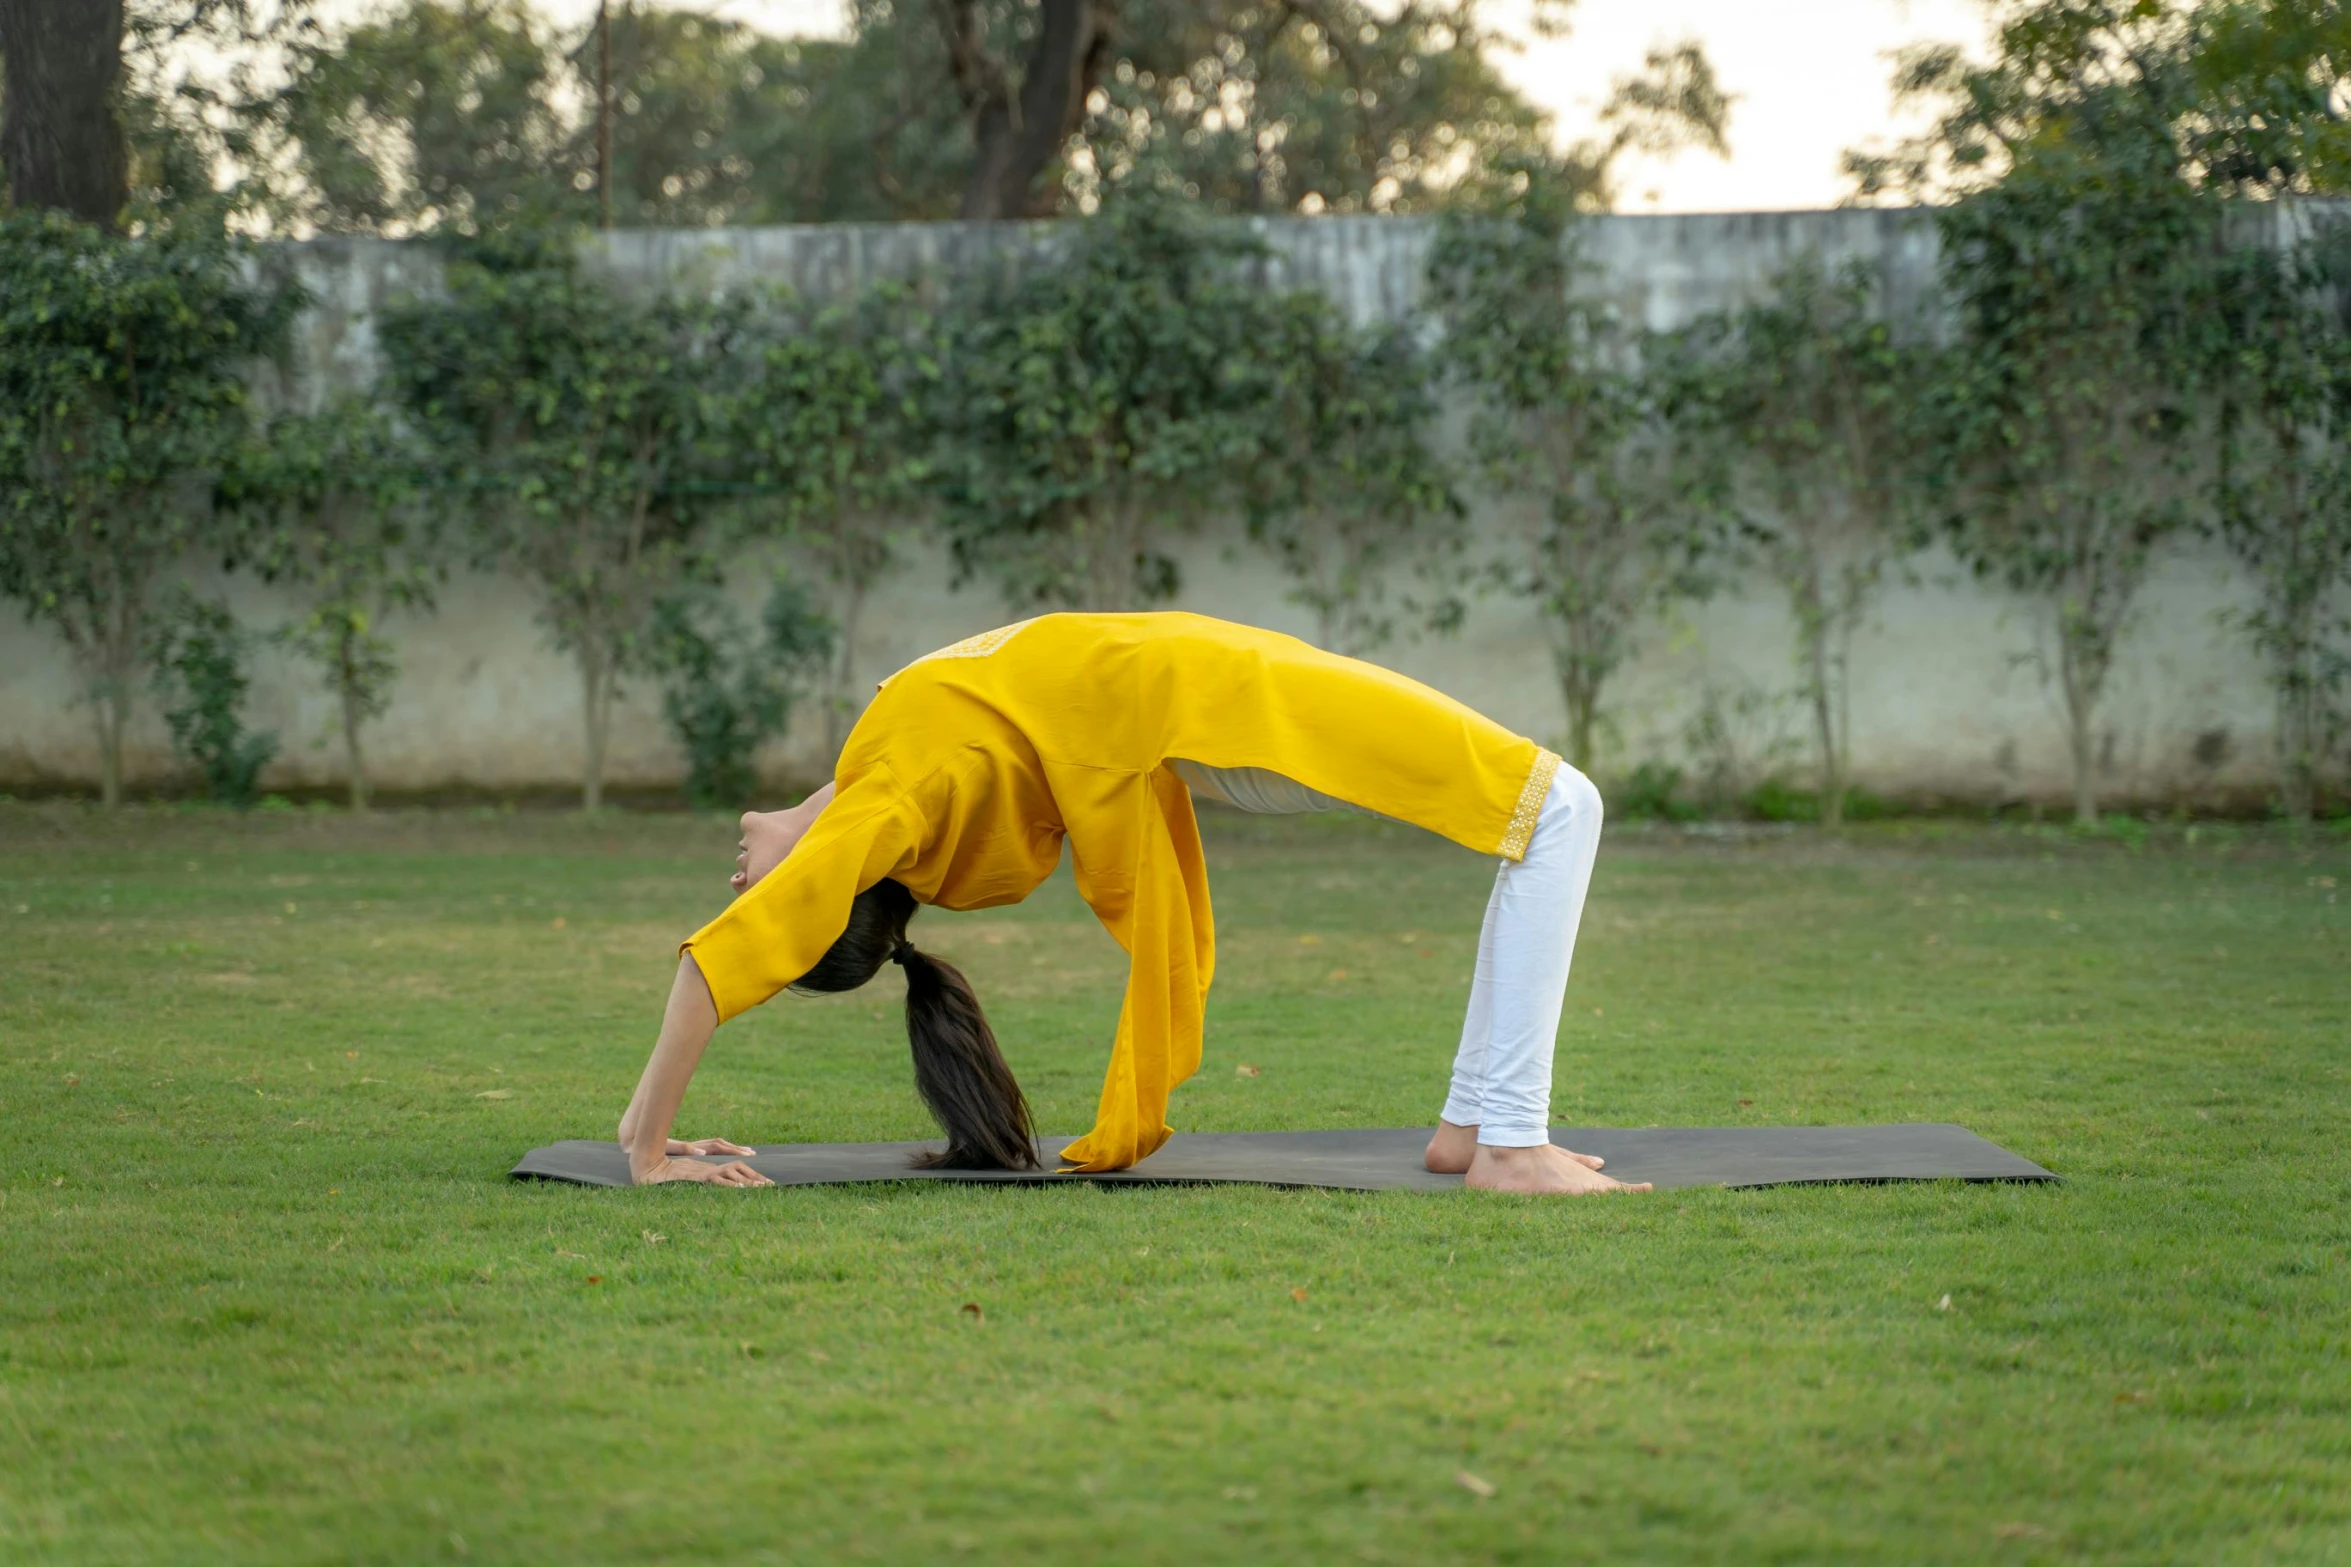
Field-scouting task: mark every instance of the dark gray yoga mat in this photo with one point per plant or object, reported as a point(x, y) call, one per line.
point(1390, 1158)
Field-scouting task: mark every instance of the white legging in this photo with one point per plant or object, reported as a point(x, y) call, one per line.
point(1502, 1073)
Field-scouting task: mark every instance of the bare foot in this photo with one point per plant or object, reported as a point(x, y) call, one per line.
point(1540, 1170)
point(1452, 1149)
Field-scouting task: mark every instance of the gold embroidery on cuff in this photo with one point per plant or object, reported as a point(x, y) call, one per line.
point(1530, 805)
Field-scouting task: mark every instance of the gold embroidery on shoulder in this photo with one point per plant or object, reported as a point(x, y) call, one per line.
point(970, 647)
point(1530, 805)
point(982, 645)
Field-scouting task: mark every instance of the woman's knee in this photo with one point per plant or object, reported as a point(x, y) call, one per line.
point(1581, 795)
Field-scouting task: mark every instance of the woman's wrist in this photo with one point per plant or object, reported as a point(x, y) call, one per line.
point(647, 1153)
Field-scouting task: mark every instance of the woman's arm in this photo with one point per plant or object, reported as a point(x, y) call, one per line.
point(686, 1027)
point(692, 1016)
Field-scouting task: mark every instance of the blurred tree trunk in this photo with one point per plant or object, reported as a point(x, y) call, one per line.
point(348, 685)
point(1017, 132)
point(61, 140)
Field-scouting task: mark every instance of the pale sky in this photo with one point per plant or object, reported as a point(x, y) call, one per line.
point(1809, 78)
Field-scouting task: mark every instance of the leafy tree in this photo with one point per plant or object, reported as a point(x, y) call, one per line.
point(1318, 106)
point(1350, 486)
point(1575, 428)
point(2282, 489)
point(199, 654)
point(724, 691)
point(2263, 83)
point(2100, 123)
point(717, 122)
point(337, 506)
point(580, 415)
point(829, 419)
point(2249, 91)
point(120, 402)
point(1096, 401)
point(467, 113)
point(438, 113)
point(2059, 68)
point(2069, 258)
point(2080, 154)
point(1296, 105)
point(110, 107)
point(1818, 393)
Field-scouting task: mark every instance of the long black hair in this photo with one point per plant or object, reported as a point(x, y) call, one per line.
point(958, 1070)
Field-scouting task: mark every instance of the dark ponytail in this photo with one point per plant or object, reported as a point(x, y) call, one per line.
point(958, 1070)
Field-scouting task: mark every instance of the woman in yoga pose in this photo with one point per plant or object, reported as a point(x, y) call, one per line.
point(971, 766)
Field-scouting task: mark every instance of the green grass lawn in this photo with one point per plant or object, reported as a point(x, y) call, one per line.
point(266, 1295)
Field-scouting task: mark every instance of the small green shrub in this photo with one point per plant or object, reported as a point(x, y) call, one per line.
point(2126, 830)
point(1651, 792)
point(199, 654)
point(1775, 800)
point(1738, 743)
point(1863, 806)
point(726, 690)
point(1662, 792)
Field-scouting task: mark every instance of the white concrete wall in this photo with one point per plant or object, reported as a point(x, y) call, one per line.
point(1942, 708)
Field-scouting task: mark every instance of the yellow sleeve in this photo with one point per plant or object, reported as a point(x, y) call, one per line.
point(1139, 865)
point(775, 932)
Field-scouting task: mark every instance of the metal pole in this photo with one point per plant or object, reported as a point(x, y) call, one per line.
point(604, 112)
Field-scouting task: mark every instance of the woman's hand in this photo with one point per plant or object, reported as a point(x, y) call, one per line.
point(705, 1146)
point(733, 1173)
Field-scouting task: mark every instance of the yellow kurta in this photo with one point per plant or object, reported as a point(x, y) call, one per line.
point(971, 766)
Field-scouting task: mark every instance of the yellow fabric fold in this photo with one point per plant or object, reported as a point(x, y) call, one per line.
point(1139, 867)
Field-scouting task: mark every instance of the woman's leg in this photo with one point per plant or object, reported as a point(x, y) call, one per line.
point(1517, 904)
point(1502, 1073)
point(1450, 1151)
point(1537, 905)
